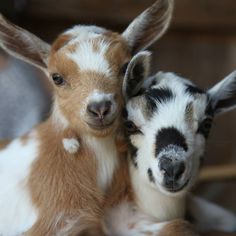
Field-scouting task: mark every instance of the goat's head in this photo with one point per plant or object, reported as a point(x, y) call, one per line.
point(86, 65)
point(168, 121)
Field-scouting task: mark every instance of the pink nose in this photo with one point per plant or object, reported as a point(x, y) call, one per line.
point(99, 110)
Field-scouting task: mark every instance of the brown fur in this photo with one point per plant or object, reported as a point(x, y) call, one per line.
point(4, 144)
point(63, 184)
point(60, 42)
point(178, 228)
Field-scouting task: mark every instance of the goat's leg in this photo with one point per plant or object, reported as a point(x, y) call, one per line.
point(209, 216)
point(126, 220)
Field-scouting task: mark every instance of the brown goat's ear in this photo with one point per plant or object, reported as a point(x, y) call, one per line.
point(137, 71)
point(149, 26)
point(23, 45)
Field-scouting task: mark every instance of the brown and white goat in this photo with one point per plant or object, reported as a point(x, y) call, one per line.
point(54, 178)
point(167, 120)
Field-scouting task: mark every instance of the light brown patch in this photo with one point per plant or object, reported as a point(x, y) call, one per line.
point(118, 52)
point(60, 42)
point(95, 46)
point(178, 228)
point(189, 112)
point(4, 144)
point(63, 186)
point(24, 139)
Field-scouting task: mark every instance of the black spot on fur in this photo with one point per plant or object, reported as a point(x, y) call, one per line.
point(125, 113)
point(150, 175)
point(209, 111)
point(157, 95)
point(192, 90)
point(136, 78)
point(133, 154)
point(167, 136)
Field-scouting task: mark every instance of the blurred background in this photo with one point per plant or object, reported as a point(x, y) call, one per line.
point(200, 45)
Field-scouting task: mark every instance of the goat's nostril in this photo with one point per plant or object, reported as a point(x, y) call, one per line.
point(172, 169)
point(179, 169)
point(100, 109)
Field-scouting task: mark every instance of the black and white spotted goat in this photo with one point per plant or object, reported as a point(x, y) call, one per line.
point(168, 120)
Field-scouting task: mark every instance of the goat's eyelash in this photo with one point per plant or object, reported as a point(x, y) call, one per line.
point(131, 128)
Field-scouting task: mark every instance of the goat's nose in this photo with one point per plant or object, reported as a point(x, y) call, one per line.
point(172, 169)
point(99, 109)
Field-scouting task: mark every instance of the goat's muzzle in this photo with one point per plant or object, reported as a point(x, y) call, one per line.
point(101, 114)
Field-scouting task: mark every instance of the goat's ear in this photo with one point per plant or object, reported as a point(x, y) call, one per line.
point(222, 97)
point(149, 26)
point(136, 72)
point(23, 45)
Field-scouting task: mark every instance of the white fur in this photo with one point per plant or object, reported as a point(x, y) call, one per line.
point(107, 158)
point(88, 59)
point(151, 197)
point(71, 145)
point(17, 212)
point(97, 96)
point(126, 220)
point(168, 114)
point(83, 32)
point(154, 202)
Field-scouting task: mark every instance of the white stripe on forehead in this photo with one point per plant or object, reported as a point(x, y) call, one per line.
point(89, 59)
point(85, 39)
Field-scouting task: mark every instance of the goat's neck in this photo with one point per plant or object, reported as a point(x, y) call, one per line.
point(102, 148)
point(153, 202)
point(106, 155)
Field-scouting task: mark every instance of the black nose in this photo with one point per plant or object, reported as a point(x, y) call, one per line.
point(173, 169)
point(99, 109)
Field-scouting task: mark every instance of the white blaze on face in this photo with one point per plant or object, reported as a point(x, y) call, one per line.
point(90, 50)
point(17, 212)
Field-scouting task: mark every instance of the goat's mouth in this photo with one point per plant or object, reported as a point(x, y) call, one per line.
point(175, 188)
point(101, 125)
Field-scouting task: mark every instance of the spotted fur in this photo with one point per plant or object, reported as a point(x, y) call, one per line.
point(175, 131)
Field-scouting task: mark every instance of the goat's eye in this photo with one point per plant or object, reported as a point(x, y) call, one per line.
point(124, 68)
point(205, 126)
point(58, 79)
point(130, 127)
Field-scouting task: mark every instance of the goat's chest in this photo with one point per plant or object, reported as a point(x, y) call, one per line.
point(17, 213)
point(106, 156)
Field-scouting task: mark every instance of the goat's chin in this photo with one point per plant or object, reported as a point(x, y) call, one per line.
point(181, 191)
point(103, 131)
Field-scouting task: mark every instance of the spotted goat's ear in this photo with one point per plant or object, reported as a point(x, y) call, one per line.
point(137, 71)
point(222, 96)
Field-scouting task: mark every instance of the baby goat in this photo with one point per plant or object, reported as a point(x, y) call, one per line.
point(54, 178)
point(167, 121)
